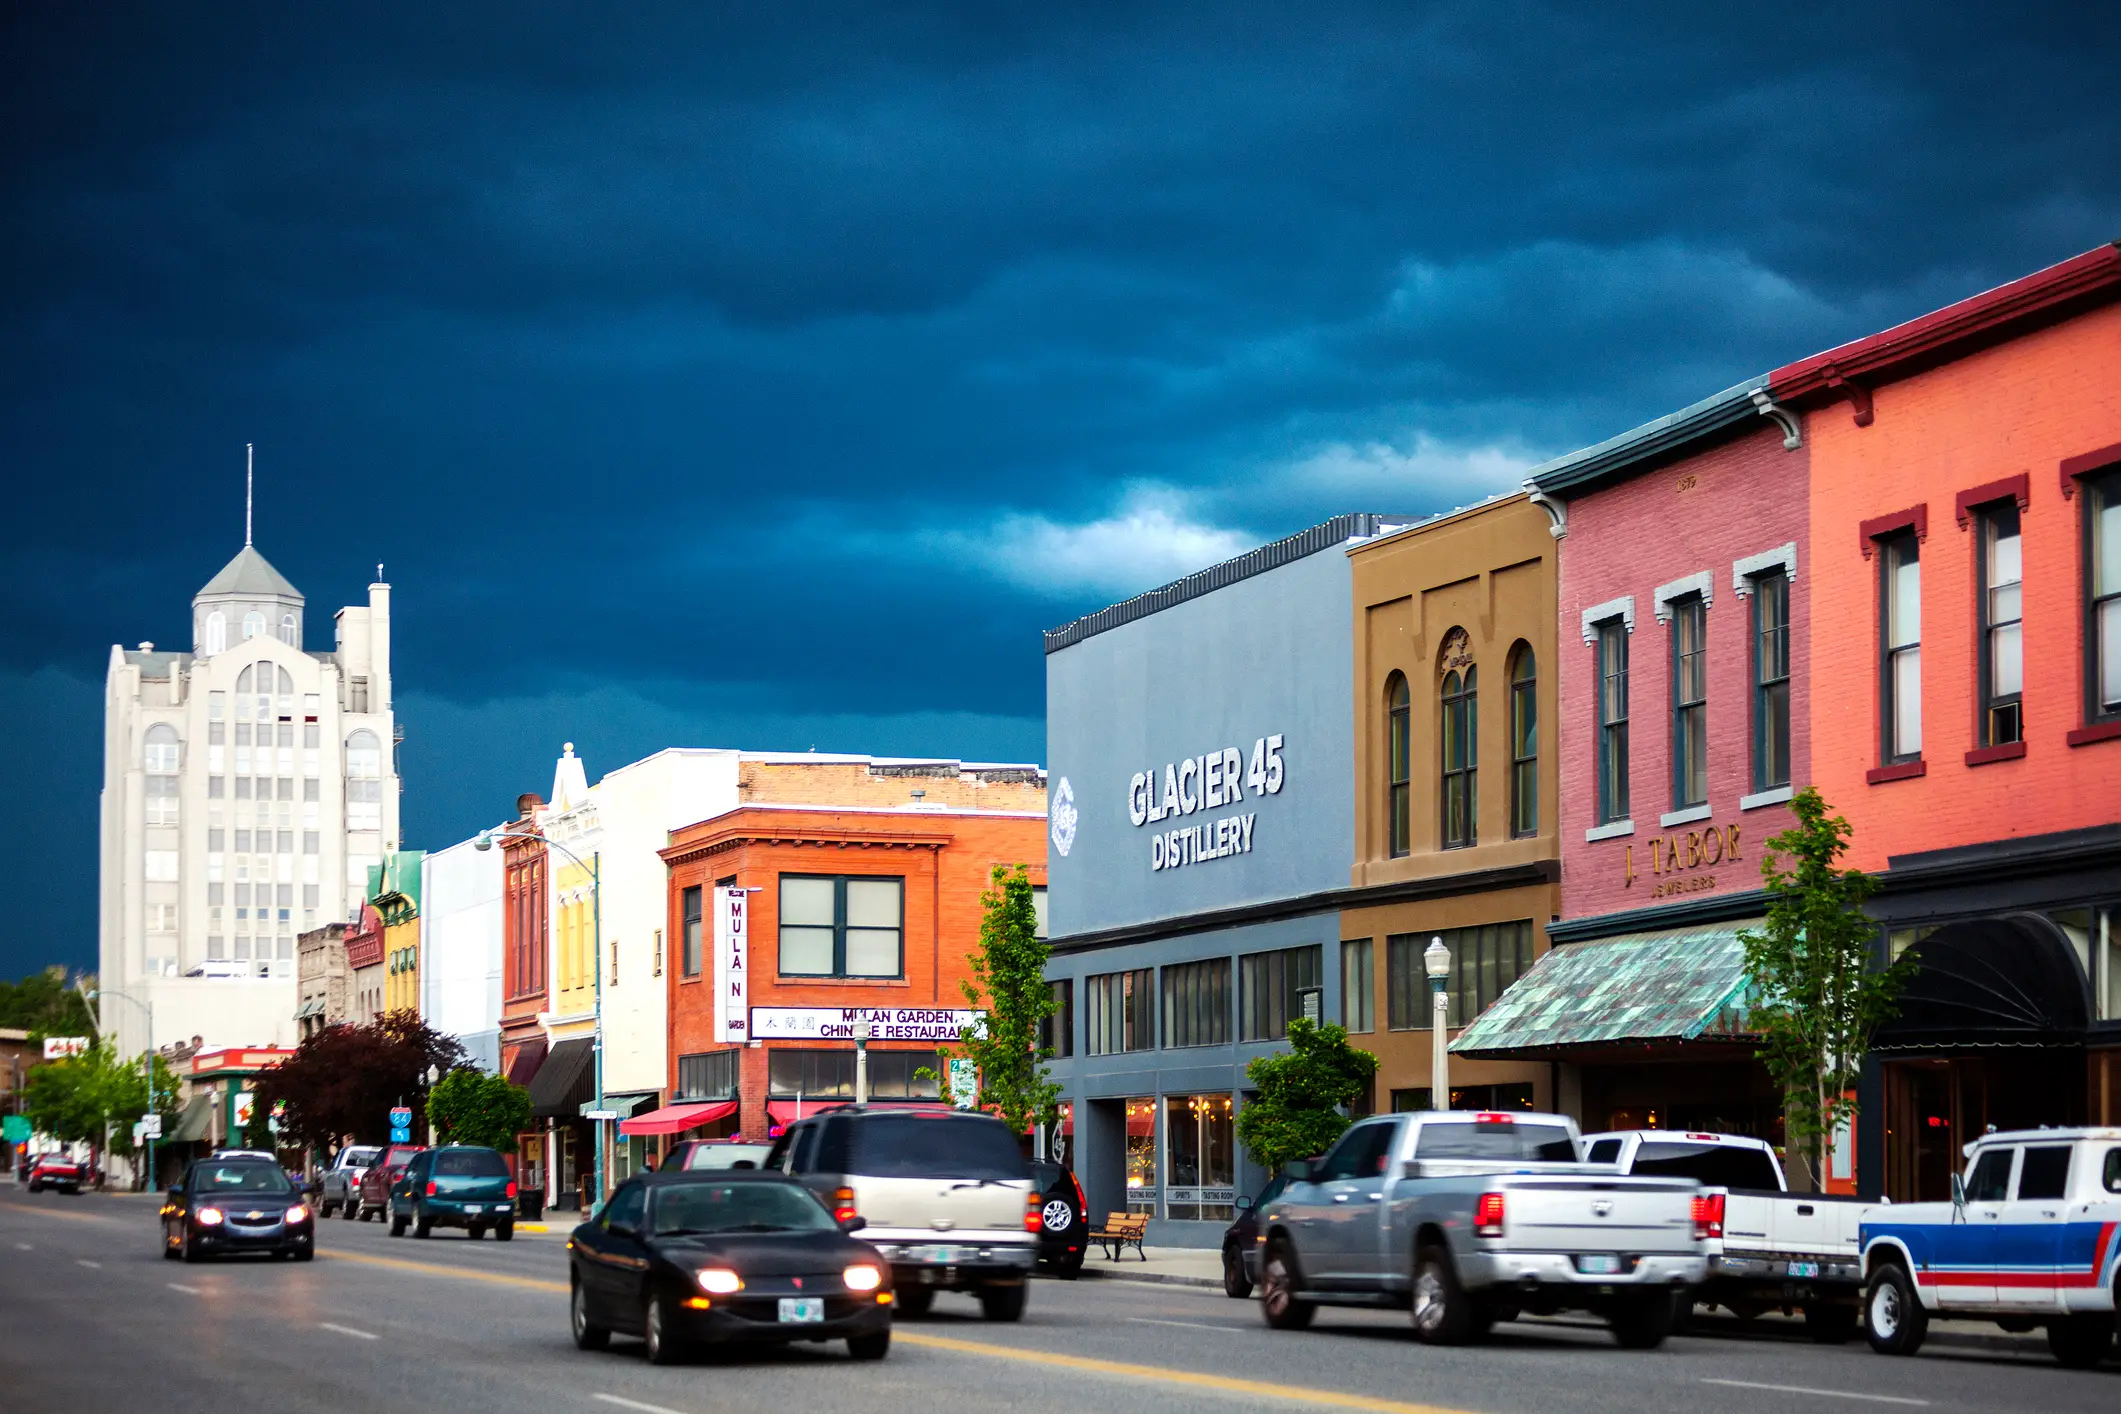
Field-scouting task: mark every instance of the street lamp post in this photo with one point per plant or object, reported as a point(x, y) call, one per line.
point(1436, 961)
point(434, 1073)
point(596, 952)
point(97, 994)
point(861, 1062)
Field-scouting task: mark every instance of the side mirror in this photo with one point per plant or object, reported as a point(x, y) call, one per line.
point(1297, 1171)
point(1244, 1203)
point(176, 1195)
point(621, 1229)
point(855, 1224)
point(1958, 1191)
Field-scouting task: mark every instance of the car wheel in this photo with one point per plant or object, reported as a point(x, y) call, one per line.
point(350, 1210)
point(475, 1232)
point(368, 1214)
point(506, 1232)
point(1642, 1322)
point(1893, 1312)
point(1070, 1267)
point(397, 1225)
point(423, 1228)
point(588, 1335)
point(665, 1345)
point(1278, 1302)
point(2080, 1342)
point(1236, 1285)
point(870, 1347)
point(305, 1254)
point(190, 1243)
point(914, 1300)
point(169, 1248)
point(1830, 1323)
point(1443, 1314)
point(1002, 1303)
point(324, 1209)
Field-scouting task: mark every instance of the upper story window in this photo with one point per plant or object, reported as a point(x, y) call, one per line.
point(2002, 664)
point(216, 632)
point(1524, 742)
point(1275, 988)
point(1197, 1003)
point(2102, 578)
point(1690, 702)
point(253, 624)
point(162, 749)
point(162, 753)
point(841, 926)
point(1771, 680)
point(357, 694)
point(1900, 673)
point(364, 784)
point(1056, 1032)
point(1459, 700)
point(1398, 758)
point(288, 632)
point(1612, 638)
point(1120, 1013)
point(689, 925)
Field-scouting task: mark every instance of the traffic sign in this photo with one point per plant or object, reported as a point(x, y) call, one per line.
point(964, 1082)
point(401, 1136)
point(401, 1117)
point(600, 1114)
point(15, 1129)
point(151, 1126)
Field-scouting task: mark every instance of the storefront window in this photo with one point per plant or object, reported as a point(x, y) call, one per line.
point(1467, 1097)
point(1141, 1156)
point(1200, 1183)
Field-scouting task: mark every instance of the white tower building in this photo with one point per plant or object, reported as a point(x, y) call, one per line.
point(247, 787)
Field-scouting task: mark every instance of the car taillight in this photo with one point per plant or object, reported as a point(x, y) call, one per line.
point(1487, 1216)
point(843, 1204)
point(1082, 1201)
point(511, 1188)
point(1708, 1215)
point(430, 1188)
point(1034, 1211)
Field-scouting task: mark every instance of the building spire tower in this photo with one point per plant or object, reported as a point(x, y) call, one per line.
point(250, 470)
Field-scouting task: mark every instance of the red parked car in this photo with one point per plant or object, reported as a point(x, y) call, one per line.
point(376, 1182)
point(56, 1171)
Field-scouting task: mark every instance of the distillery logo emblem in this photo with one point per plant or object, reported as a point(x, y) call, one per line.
point(1062, 813)
point(1214, 780)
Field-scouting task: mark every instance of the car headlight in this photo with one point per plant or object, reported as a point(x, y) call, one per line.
point(863, 1278)
point(209, 1217)
point(299, 1213)
point(720, 1281)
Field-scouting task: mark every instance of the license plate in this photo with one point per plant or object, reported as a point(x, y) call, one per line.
point(473, 1208)
point(945, 1254)
point(1598, 1264)
point(802, 1308)
point(1804, 1269)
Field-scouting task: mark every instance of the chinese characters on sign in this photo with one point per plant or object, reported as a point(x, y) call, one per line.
point(1209, 781)
point(732, 961)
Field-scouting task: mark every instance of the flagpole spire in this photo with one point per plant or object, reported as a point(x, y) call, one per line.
point(250, 464)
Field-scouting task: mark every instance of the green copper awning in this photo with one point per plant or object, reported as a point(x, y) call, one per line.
point(1677, 984)
point(192, 1124)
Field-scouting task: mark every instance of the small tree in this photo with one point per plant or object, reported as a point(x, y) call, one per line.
point(471, 1107)
point(1009, 977)
point(82, 1098)
point(1816, 999)
point(345, 1079)
point(1301, 1091)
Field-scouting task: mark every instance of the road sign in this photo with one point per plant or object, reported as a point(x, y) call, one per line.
point(964, 1082)
point(15, 1129)
point(401, 1117)
point(151, 1126)
point(401, 1136)
point(601, 1114)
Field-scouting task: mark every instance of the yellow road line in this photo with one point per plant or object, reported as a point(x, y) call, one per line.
point(1258, 1389)
point(435, 1269)
point(52, 1213)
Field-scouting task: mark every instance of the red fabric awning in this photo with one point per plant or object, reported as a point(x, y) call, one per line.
point(782, 1113)
point(676, 1119)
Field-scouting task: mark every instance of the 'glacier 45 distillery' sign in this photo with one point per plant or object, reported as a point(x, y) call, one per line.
point(1215, 780)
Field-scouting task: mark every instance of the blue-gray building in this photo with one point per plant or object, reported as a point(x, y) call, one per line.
point(1200, 741)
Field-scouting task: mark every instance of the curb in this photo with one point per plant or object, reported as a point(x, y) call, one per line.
point(1115, 1273)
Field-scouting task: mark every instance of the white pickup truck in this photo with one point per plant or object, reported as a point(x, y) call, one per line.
point(1768, 1248)
point(1467, 1219)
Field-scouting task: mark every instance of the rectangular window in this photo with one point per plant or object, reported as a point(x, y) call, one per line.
point(1358, 985)
point(2002, 664)
point(2102, 627)
point(1120, 1013)
point(841, 925)
point(357, 694)
point(161, 800)
point(1900, 675)
point(1485, 960)
point(1771, 681)
point(691, 906)
point(1277, 987)
point(1056, 1033)
point(1612, 721)
point(708, 1076)
point(1197, 1003)
point(829, 1075)
point(1690, 696)
point(1038, 911)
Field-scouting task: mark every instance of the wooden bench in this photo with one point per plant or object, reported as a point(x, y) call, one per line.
point(1122, 1230)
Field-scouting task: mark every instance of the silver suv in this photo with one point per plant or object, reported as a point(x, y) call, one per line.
point(342, 1181)
point(945, 1196)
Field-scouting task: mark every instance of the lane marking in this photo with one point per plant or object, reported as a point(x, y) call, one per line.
point(24, 1247)
point(434, 1269)
point(1822, 1393)
point(187, 1290)
point(634, 1404)
point(1189, 1325)
point(42, 1212)
point(348, 1330)
point(84, 1262)
point(1257, 1389)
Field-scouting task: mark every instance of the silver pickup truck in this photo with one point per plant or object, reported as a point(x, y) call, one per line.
point(1471, 1218)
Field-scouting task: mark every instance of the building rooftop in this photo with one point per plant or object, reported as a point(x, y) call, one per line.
point(250, 575)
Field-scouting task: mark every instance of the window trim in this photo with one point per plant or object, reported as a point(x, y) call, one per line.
point(1466, 701)
point(1773, 572)
point(1399, 766)
point(1523, 689)
point(1905, 527)
point(1981, 516)
point(1611, 813)
point(2100, 474)
point(1682, 732)
point(840, 926)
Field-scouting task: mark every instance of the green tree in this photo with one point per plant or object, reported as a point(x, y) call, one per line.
point(1009, 980)
point(83, 1097)
point(468, 1106)
point(46, 1004)
point(1816, 998)
point(1301, 1091)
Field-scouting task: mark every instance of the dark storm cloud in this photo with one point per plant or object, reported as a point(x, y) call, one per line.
point(753, 377)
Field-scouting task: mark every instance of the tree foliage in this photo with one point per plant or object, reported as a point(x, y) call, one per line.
point(45, 1004)
point(1009, 981)
point(83, 1097)
point(342, 1082)
point(1816, 998)
point(1301, 1091)
point(471, 1107)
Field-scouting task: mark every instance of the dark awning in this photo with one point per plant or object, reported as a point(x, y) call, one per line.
point(565, 1082)
point(192, 1124)
point(2008, 981)
point(529, 1056)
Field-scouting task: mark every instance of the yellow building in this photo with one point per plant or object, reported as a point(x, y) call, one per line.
point(394, 892)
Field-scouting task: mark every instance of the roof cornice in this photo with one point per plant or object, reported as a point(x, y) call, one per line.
point(1711, 419)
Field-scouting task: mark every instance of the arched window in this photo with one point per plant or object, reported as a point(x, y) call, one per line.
point(287, 688)
point(364, 784)
point(216, 632)
point(162, 749)
point(162, 752)
point(1461, 750)
point(287, 630)
point(253, 624)
point(1398, 757)
point(1524, 743)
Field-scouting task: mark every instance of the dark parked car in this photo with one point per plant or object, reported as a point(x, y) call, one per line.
point(456, 1185)
point(236, 1205)
point(373, 1194)
point(1241, 1240)
point(715, 1154)
point(1061, 1241)
point(56, 1171)
point(688, 1258)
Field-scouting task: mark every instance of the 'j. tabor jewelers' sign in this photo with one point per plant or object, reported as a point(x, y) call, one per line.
point(1214, 780)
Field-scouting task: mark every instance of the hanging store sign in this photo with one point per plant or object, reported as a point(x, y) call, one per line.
point(1214, 780)
point(732, 964)
point(795, 1023)
point(60, 1047)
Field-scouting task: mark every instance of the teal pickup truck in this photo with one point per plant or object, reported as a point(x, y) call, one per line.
point(455, 1186)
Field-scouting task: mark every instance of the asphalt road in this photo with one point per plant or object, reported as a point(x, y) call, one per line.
point(92, 1319)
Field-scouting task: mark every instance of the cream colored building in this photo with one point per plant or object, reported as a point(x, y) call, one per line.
point(248, 785)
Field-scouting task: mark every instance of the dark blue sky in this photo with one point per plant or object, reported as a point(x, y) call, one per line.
point(771, 382)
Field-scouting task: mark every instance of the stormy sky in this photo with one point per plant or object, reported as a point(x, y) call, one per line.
point(770, 376)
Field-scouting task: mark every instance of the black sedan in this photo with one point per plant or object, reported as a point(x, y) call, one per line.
point(1241, 1241)
point(690, 1258)
point(236, 1205)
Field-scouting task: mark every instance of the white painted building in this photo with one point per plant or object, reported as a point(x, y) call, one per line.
point(247, 787)
point(460, 948)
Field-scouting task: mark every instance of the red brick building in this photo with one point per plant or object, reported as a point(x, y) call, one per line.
point(525, 906)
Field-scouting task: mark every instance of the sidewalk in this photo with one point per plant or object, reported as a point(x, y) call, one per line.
point(1176, 1266)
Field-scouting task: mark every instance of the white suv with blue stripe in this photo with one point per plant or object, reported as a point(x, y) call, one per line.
point(2032, 1237)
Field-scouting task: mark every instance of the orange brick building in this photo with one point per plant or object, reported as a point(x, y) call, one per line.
point(1965, 589)
point(857, 889)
